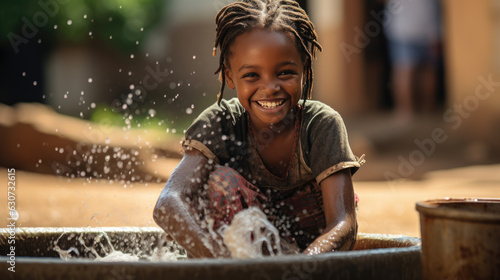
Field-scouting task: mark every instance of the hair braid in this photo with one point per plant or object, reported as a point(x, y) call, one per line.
point(279, 15)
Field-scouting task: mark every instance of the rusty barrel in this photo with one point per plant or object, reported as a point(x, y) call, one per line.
point(460, 238)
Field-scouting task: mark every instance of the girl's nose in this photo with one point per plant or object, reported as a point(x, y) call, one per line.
point(270, 86)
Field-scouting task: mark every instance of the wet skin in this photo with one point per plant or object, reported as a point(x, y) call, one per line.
point(265, 68)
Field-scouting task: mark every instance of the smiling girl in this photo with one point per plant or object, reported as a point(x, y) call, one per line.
point(271, 148)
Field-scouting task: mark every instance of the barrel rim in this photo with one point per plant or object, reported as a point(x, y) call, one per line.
point(437, 208)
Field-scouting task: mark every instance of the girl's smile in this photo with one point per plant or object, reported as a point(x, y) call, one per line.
point(266, 69)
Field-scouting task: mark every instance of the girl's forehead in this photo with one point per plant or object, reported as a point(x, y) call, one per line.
point(263, 38)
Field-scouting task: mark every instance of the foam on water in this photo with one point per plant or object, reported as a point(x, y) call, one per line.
point(101, 249)
point(251, 235)
point(118, 256)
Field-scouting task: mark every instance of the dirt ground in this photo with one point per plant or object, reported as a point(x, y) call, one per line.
point(55, 201)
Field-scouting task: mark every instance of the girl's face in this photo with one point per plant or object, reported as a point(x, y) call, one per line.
point(265, 67)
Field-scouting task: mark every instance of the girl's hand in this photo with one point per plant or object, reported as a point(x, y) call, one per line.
point(340, 214)
point(341, 238)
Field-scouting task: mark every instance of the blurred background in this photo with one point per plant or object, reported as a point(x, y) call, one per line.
point(95, 96)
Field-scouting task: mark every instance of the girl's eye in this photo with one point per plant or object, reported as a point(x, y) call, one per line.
point(287, 72)
point(250, 75)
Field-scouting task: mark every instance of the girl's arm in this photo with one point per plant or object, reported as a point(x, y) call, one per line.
point(176, 210)
point(340, 214)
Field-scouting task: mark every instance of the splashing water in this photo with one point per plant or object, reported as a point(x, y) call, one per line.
point(251, 235)
point(102, 249)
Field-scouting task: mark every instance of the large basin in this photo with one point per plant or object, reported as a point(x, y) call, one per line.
point(375, 256)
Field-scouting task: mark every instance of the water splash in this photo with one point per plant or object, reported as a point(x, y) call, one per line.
point(251, 235)
point(101, 248)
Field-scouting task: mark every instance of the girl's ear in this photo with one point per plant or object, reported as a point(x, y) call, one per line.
point(229, 78)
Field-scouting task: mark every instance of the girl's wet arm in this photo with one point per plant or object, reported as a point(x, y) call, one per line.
point(340, 214)
point(176, 209)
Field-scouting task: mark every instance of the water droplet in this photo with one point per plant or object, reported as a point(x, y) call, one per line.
point(69, 22)
point(35, 83)
point(55, 26)
point(110, 37)
point(39, 41)
point(132, 56)
point(174, 130)
point(194, 56)
point(172, 85)
point(152, 112)
point(189, 111)
point(90, 80)
point(14, 215)
point(92, 105)
point(110, 18)
point(85, 16)
point(90, 33)
point(137, 42)
point(24, 74)
point(142, 29)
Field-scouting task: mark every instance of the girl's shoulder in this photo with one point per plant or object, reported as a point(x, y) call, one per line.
point(228, 112)
point(229, 108)
point(317, 111)
point(322, 122)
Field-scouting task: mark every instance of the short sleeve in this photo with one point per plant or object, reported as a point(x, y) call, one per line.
point(217, 131)
point(327, 142)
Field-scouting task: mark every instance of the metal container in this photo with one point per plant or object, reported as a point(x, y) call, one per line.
point(460, 238)
point(375, 256)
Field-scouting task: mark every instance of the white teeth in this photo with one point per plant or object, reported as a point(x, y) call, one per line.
point(270, 105)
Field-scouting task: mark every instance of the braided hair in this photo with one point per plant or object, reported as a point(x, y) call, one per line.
point(278, 15)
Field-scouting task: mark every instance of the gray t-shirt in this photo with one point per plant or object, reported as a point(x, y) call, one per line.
point(221, 134)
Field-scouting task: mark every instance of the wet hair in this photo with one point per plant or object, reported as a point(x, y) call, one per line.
point(277, 15)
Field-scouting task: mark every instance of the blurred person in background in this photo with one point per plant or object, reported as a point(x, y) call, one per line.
point(414, 35)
